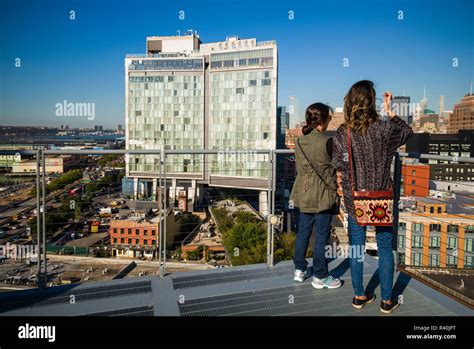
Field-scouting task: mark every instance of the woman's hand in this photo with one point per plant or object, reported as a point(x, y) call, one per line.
point(387, 98)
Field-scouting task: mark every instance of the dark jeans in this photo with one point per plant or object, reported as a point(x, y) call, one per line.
point(322, 222)
point(386, 261)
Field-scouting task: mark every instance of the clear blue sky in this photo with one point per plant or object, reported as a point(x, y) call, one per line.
point(83, 60)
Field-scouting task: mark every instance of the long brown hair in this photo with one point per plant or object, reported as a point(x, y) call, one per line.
point(316, 114)
point(359, 106)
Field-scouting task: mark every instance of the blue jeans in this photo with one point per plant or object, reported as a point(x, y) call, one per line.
point(386, 263)
point(322, 222)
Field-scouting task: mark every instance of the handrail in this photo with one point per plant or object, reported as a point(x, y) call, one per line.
point(215, 151)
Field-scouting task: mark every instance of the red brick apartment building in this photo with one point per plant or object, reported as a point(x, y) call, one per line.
point(139, 238)
point(416, 180)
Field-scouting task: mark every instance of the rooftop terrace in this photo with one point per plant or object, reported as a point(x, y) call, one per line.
point(252, 290)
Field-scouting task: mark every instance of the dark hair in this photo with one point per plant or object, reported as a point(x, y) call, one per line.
point(359, 106)
point(316, 114)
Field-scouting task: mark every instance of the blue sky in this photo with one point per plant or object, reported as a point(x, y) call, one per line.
point(83, 60)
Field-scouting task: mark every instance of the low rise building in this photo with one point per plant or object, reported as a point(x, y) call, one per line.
point(433, 240)
point(137, 236)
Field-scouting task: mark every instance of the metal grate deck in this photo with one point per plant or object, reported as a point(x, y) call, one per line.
point(147, 310)
point(214, 278)
point(80, 294)
point(301, 300)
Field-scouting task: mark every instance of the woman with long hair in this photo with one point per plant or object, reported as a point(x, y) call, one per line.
point(315, 193)
point(373, 145)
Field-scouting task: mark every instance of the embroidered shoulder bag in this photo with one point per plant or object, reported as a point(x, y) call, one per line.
point(372, 207)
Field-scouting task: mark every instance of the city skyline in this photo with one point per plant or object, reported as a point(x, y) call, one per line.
point(80, 60)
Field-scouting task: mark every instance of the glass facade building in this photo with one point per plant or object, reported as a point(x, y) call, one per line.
point(216, 96)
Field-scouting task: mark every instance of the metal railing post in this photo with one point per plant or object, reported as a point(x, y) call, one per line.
point(165, 209)
point(160, 224)
point(269, 226)
point(274, 174)
point(43, 195)
point(38, 217)
point(397, 177)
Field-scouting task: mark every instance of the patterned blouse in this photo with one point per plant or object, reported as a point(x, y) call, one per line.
point(372, 156)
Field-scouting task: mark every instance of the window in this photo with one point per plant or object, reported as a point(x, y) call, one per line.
point(115, 240)
point(401, 241)
point(452, 242)
point(145, 242)
point(417, 241)
point(137, 231)
point(115, 230)
point(453, 229)
point(413, 182)
point(439, 209)
point(266, 82)
point(416, 259)
point(122, 230)
point(431, 209)
point(434, 260)
point(153, 232)
point(451, 261)
point(129, 231)
point(435, 242)
point(413, 172)
point(239, 90)
point(122, 240)
point(145, 232)
point(469, 245)
point(417, 227)
point(253, 83)
point(129, 241)
point(137, 241)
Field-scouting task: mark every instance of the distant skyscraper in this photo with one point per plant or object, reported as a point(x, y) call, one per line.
point(420, 109)
point(401, 107)
point(293, 110)
point(283, 122)
point(462, 117)
point(184, 94)
point(441, 105)
point(119, 127)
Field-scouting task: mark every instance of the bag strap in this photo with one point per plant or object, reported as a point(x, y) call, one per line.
point(312, 165)
point(350, 157)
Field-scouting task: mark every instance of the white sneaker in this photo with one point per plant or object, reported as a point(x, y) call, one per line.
point(299, 276)
point(329, 282)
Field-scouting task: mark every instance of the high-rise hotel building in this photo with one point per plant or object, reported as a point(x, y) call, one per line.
point(183, 94)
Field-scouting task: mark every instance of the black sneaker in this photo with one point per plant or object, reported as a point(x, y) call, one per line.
point(388, 308)
point(360, 303)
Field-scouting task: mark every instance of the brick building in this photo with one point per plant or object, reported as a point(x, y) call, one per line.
point(416, 179)
point(138, 236)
